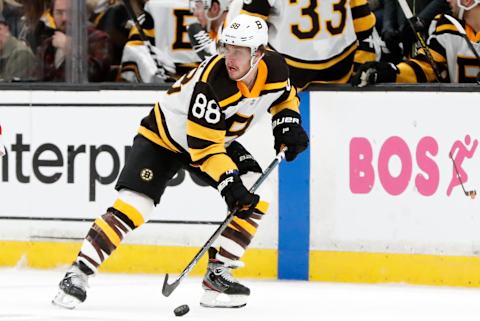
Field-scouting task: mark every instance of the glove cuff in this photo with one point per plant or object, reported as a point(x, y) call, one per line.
point(226, 179)
point(286, 117)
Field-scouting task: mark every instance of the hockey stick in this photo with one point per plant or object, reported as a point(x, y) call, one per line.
point(169, 288)
point(462, 31)
point(408, 15)
point(142, 35)
point(471, 193)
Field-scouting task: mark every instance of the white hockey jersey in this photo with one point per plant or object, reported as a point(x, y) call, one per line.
point(318, 38)
point(164, 25)
point(205, 110)
point(450, 52)
point(308, 30)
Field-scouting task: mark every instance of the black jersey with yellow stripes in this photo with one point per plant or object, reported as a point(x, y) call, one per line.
point(314, 34)
point(205, 110)
point(451, 53)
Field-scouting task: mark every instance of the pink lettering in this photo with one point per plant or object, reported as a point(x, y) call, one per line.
point(362, 175)
point(427, 184)
point(394, 146)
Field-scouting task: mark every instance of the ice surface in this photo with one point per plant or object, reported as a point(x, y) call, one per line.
point(25, 295)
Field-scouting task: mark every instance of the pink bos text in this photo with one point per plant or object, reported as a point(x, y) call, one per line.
point(365, 167)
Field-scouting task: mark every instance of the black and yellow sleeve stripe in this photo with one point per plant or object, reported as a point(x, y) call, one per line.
point(419, 69)
point(363, 18)
point(289, 100)
point(148, 27)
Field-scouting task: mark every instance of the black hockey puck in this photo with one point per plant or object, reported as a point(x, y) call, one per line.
point(181, 310)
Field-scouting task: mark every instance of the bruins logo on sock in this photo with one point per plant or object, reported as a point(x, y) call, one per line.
point(146, 174)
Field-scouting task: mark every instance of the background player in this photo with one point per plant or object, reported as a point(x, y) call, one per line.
point(318, 38)
point(456, 60)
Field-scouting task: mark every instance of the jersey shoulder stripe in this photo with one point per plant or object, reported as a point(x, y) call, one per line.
point(445, 26)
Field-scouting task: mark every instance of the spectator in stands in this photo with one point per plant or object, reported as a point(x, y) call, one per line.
point(17, 61)
point(54, 50)
point(39, 24)
point(112, 17)
point(12, 12)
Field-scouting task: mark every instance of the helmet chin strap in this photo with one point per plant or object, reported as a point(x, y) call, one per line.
point(252, 66)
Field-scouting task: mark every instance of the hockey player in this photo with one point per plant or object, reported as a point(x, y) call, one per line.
point(211, 16)
point(318, 38)
point(160, 51)
point(455, 56)
point(195, 125)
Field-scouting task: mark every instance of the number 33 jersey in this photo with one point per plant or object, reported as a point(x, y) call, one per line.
point(205, 110)
point(315, 35)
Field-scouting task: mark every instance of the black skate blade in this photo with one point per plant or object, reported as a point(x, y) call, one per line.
point(222, 306)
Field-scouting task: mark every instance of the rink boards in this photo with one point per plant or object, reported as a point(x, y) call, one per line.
point(374, 198)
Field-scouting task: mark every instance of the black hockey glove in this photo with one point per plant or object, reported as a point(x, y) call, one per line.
point(288, 131)
point(374, 72)
point(242, 158)
point(236, 195)
point(408, 34)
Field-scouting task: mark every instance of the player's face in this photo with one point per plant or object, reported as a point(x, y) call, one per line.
point(237, 60)
point(198, 10)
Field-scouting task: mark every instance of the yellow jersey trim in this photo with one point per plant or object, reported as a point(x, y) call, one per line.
point(254, 14)
point(322, 65)
point(152, 136)
point(207, 71)
point(364, 23)
point(275, 85)
point(259, 84)
point(471, 34)
point(446, 27)
point(199, 131)
point(162, 131)
point(218, 164)
point(231, 99)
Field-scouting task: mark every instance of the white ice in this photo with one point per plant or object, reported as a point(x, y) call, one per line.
point(25, 295)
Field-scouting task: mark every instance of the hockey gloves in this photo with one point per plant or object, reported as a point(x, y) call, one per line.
point(374, 72)
point(288, 131)
point(242, 158)
point(236, 195)
point(408, 34)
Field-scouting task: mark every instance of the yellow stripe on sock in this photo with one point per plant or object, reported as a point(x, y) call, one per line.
point(112, 236)
point(262, 207)
point(246, 226)
point(135, 216)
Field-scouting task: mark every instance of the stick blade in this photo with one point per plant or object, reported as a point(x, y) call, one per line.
point(167, 289)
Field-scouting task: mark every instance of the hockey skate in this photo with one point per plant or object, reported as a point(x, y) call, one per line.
point(221, 289)
point(72, 289)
